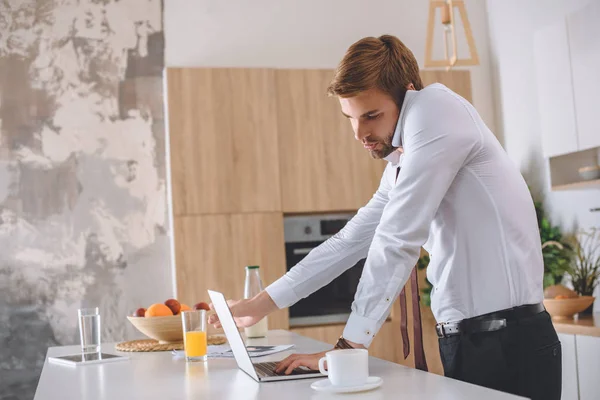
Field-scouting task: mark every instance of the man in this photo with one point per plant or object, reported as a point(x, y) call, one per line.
point(450, 188)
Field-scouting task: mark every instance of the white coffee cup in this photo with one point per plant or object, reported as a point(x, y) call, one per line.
point(346, 367)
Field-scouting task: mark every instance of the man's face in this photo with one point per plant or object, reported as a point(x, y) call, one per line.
point(373, 115)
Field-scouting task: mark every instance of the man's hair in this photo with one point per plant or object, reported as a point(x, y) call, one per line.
point(384, 63)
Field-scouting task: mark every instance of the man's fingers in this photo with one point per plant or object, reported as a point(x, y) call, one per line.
point(283, 364)
point(214, 321)
point(295, 364)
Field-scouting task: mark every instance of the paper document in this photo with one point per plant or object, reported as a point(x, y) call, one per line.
point(224, 351)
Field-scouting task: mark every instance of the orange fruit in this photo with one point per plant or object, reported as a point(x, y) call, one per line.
point(184, 307)
point(158, 310)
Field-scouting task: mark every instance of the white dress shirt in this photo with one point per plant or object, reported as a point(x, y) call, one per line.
point(460, 197)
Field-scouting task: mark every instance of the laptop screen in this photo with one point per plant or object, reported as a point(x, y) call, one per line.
point(242, 358)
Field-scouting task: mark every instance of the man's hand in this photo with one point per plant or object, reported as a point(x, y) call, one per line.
point(307, 360)
point(247, 312)
point(300, 360)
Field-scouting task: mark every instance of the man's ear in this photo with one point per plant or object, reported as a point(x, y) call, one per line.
point(410, 87)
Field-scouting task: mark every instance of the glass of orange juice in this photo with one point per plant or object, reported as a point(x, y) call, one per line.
point(194, 335)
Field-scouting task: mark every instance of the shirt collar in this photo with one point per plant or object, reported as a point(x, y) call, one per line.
point(395, 157)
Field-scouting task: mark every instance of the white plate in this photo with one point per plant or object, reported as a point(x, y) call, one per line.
point(325, 385)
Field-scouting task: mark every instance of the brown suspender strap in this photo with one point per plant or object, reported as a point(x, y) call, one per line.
point(420, 361)
point(404, 324)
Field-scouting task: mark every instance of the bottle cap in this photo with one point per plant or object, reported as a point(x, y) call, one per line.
point(252, 267)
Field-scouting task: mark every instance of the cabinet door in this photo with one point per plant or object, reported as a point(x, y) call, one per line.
point(384, 346)
point(570, 390)
point(584, 43)
point(223, 140)
point(323, 168)
point(456, 80)
point(212, 250)
point(588, 366)
point(555, 90)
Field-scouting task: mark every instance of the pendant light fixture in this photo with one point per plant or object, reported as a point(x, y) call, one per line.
point(448, 10)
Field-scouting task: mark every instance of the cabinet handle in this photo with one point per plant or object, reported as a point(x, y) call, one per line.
point(594, 209)
point(303, 251)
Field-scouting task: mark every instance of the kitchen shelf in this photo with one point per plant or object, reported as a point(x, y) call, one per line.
point(578, 185)
point(564, 170)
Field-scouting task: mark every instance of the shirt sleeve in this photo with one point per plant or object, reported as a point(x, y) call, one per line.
point(439, 138)
point(334, 256)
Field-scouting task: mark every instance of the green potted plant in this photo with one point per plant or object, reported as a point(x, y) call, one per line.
point(556, 251)
point(584, 269)
point(422, 263)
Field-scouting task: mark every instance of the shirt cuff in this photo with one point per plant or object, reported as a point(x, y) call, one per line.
point(360, 330)
point(282, 293)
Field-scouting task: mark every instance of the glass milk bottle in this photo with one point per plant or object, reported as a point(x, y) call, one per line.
point(252, 288)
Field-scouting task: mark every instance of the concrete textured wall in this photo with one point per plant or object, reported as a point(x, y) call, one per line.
point(83, 208)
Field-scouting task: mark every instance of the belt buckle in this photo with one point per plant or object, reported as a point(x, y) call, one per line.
point(441, 332)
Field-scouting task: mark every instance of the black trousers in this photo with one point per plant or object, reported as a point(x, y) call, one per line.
point(523, 359)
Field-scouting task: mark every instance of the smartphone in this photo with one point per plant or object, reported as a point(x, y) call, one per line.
point(86, 359)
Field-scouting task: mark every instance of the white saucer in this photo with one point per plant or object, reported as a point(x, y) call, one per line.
point(324, 385)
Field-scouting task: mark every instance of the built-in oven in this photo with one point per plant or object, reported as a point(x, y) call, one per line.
point(330, 304)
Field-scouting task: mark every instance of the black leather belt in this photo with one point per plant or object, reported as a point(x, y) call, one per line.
point(488, 322)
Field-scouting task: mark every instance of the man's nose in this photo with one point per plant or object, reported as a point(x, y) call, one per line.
point(360, 132)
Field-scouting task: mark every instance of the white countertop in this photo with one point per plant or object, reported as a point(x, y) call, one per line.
point(161, 376)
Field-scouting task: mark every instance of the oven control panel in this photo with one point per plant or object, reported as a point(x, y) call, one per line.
point(311, 228)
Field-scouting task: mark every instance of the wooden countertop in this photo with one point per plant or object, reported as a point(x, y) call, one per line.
point(588, 325)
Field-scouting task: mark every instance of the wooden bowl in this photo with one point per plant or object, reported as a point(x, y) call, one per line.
point(164, 329)
point(567, 308)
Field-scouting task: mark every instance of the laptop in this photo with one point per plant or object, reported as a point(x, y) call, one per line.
point(261, 372)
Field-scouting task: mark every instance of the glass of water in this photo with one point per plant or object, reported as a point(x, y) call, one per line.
point(89, 329)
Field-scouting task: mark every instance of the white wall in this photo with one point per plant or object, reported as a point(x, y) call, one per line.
point(512, 24)
point(307, 34)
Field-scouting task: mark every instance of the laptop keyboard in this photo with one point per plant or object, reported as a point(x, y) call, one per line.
point(268, 369)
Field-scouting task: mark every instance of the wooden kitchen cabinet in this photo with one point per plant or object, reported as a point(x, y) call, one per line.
point(322, 166)
point(459, 81)
point(584, 45)
point(212, 250)
point(223, 140)
point(262, 140)
point(384, 346)
point(555, 90)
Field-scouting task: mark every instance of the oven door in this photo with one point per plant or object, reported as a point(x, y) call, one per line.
point(332, 303)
